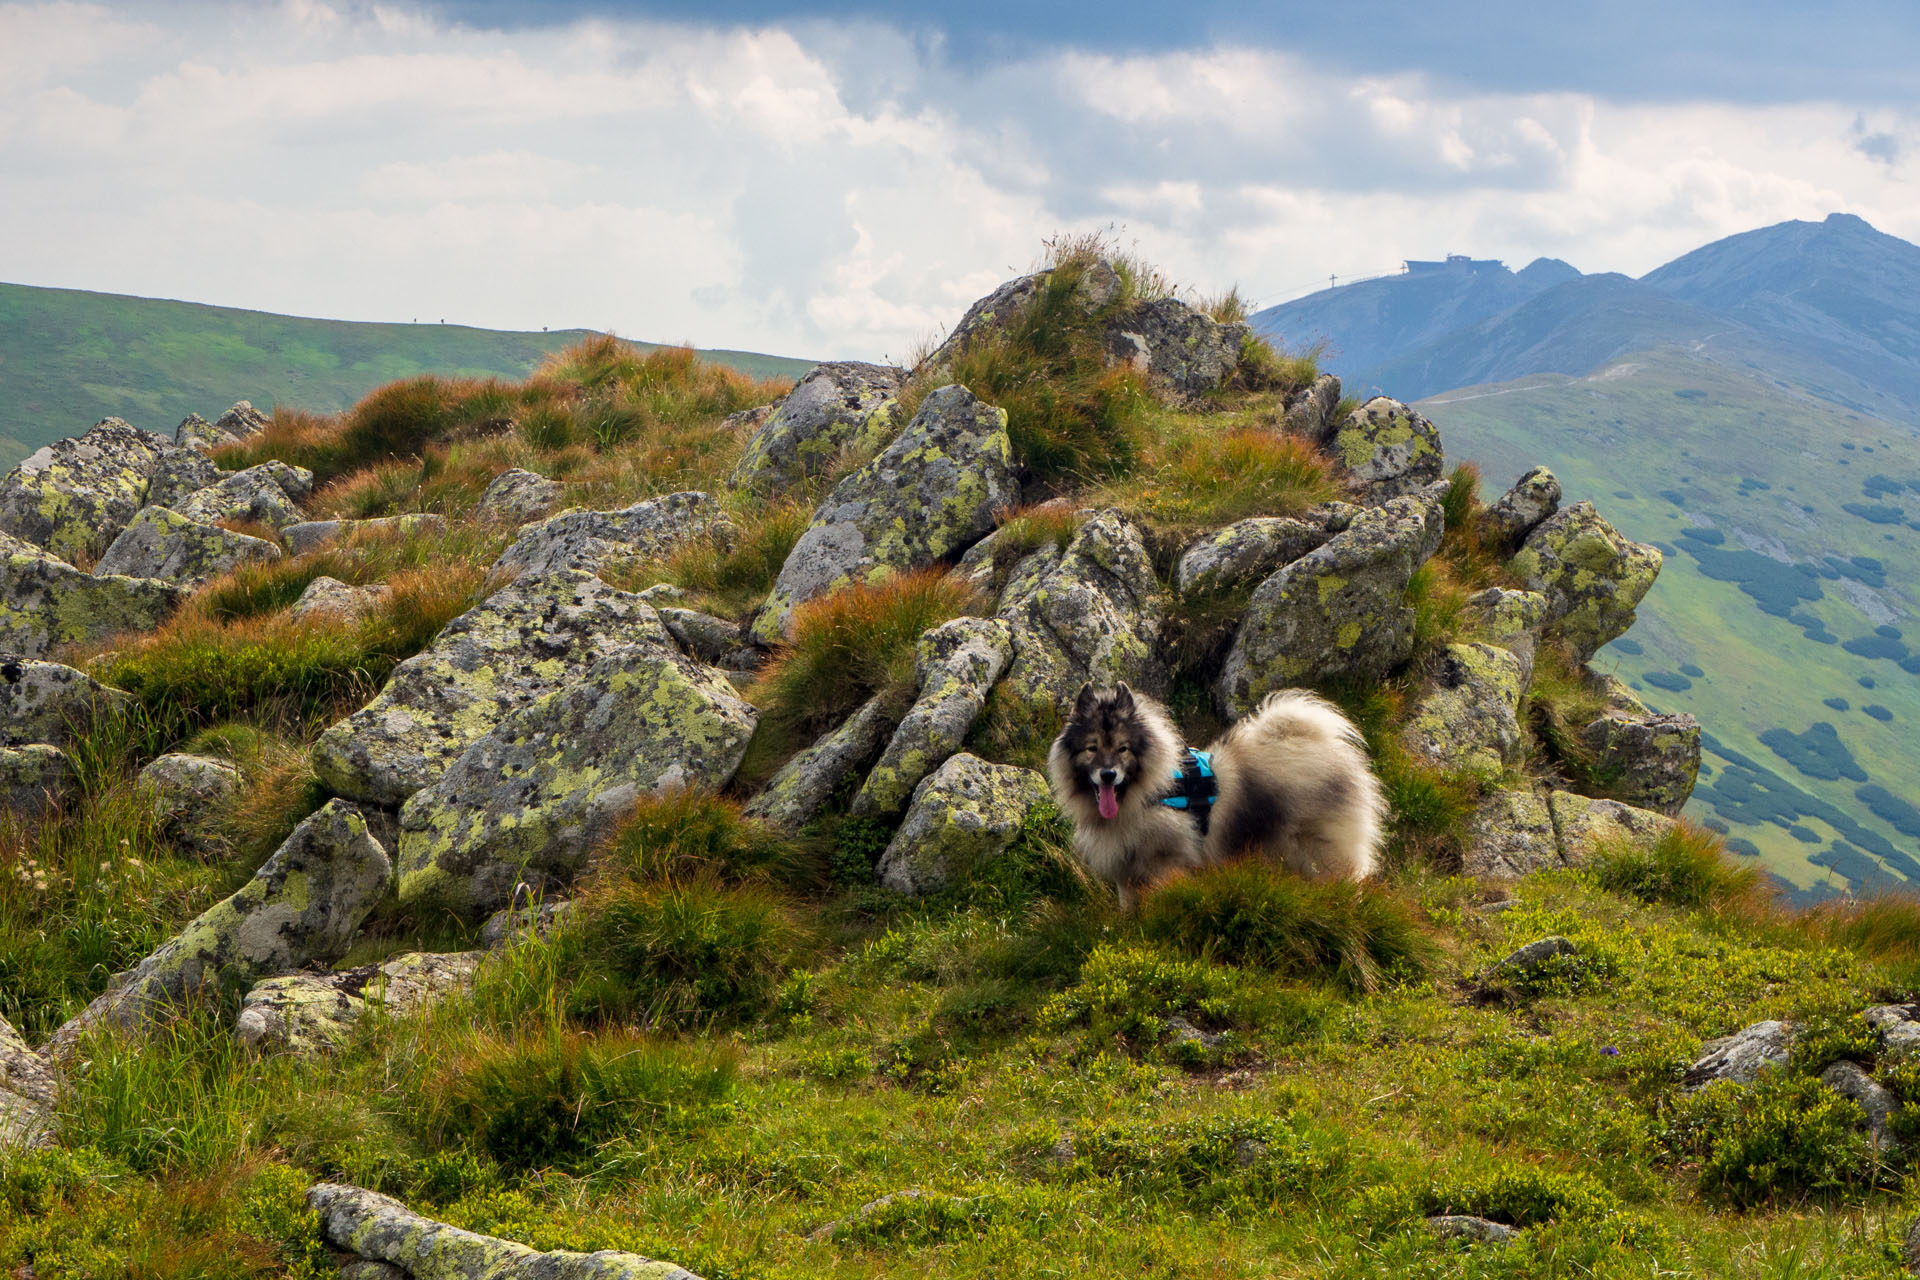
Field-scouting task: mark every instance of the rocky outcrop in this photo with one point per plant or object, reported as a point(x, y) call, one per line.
point(1511, 835)
point(308, 534)
point(74, 496)
point(46, 702)
point(190, 796)
point(307, 1013)
point(1518, 511)
point(520, 644)
point(955, 666)
point(529, 799)
point(180, 472)
point(159, 544)
point(839, 409)
point(234, 425)
point(590, 541)
point(268, 494)
point(1648, 759)
point(1470, 716)
point(1386, 449)
point(34, 778)
point(930, 494)
point(802, 787)
point(1250, 550)
point(44, 601)
point(1592, 577)
point(372, 1226)
point(1337, 612)
point(1585, 825)
point(1742, 1056)
point(963, 815)
point(518, 497)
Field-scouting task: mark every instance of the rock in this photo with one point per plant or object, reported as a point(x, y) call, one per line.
point(865, 1211)
point(703, 636)
point(1337, 612)
point(180, 472)
point(44, 601)
point(34, 778)
point(839, 409)
point(955, 665)
point(1095, 289)
point(1461, 1226)
point(1899, 1028)
point(236, 424)
point(1910, 1247)
point(1181, 348)
point(241, 421)
point(1742, 1056)
point(46, 702)
point(22, 1071)
point(24, 1124)
point(189, 796)
point(1585, 825)
point(372, 1226)
point(1250, 550)
point(1470, 717)
point(74, 496)
point(523, 642)
point(519, 924)
point(1530, 958)
point(663, 593)
point(198, 435)
point(1511, 835)
point(369, 1269)
point(1650, 760)
point(171, 548)
point(1388, 449)
point(805, 783)
point(326, 595)
point(1310, 411)
point(303, 906)
point(1510, 619)
point(963, 815)
point(306, 1013)
point(268, 494)
point(595, 540)
point(1850, 1080)
point(1515, 514)
point(1092, 612)
point(931, 493)
point(1592, 577)
point(532, 797)
point(305, 535)
point(518, 497)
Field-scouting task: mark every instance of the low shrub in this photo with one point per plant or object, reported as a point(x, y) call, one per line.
point(1208, 1160)
point(1687, 868)
point(1783, 1138)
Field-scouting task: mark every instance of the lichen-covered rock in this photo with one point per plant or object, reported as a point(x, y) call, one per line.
point(517, 497)
point(1899, 1028)
point(159, 544)
point(871, 1209)
point(306, 1013)
point(1096, 288)
point(1336, 612)
point(1650, 760)
point(1388, 449)
point(1742, 1056)
point(1179, 347)
point(269, 494)
point(955, 666)
point(237, 423)
point(197, 435)
point(44, 601)
point(703, 636)
point(805, 783)
point(1850, 1080)
point(538, 634)
point(1310, 411)
point(1518, 511)
point(1511, 835)
point(372, 1226)
point(1530, 958)
point(1250, 550)
point(180, 472)
point(326, 595)
point(838, 409)
point(529, 799)
point(1592, 577)
point(511, 925)
point(304, 905)
point(1462, 1226)
point(930, 494)
point(1094, 611)
point(1585, 824)
point(595, 540)
point(1510, 619)
point(305, 535)
point(33, 778)
point(46, 702)
point(28, 1090)
point(190, 796)
point(964, 814)
point(1470, 717)
point(74, 496)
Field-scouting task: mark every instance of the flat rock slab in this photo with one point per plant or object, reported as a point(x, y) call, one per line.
point(162, 544)
point(44, 601)
point(1742, 1056)
point(47, 702)
point(590, 541)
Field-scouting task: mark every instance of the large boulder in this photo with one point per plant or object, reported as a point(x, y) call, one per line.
point(1176, 346)
point(73, 496)
point(234, 425)
point(1586, 825)
point(539, 634)
point(1591, 575)
point(303, 906)
point(1387, 449)
point(1518, 511)
point(180, 472)
point(1094, 611)
point(1649, 759)
point(306, 1013)
point(841, 408)
point(963, 815)
point(1469, 718)
point(955, 666)
point(160, 544)
point(805, 783)
point(268, 494)
point(930, 494)
point(46, 702)
point(529, 799)
point(1511, 835)
point(33, 778)
point(305, 535)
point(190, 796)
point(595, 540)
point(518, 497)
point(1249, 550)
point(44, 601)
point(1337, 612)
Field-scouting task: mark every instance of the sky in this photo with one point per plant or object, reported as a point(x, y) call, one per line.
point(840, 181)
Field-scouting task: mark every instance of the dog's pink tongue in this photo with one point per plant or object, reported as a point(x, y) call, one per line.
point(1109, 801)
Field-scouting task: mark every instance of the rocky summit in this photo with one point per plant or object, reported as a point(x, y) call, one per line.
point(601, 826)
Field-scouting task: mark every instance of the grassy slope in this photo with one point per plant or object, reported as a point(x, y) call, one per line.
point(1610, 437)
point(69, 358)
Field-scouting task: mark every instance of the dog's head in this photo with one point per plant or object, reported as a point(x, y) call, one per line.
point(1110, 744)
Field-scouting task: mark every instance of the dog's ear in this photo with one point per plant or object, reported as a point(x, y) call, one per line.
point(1084, 703)
point(1122, 697)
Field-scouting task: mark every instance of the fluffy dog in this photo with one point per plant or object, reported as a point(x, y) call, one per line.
point(1289, 782)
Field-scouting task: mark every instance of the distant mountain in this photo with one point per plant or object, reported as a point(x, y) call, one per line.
point(69, 358)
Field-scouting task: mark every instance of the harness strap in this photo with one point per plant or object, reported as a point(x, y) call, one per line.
point(1194, 788)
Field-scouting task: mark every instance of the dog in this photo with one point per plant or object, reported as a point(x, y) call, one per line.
point(1289, 782)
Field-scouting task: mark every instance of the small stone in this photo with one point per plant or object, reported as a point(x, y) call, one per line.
point(965, 814)
point(520, 924)
point(1310, 411)
point(241, 421)
point(190, 796)
point(1531, 957)
point(46, 702)
point(171, 548)
point(1850, 1080)
point(703, 636)
point(1387, 449)
point(865, 1211)
point(1461, 1226)
point(589, 541)
point(1533, 497)
point(1510, 619)
point(518, 497)
point(308, 534)
point(1742, 1056)
point(1899, 1028)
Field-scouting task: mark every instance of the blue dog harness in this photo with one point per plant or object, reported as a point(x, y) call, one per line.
point(1194, 788)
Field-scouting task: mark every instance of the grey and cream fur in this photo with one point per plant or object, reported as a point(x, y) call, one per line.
point(1294, 787)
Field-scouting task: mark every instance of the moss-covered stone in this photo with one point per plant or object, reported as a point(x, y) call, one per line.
point(1584, 824)
point(1648, 759)
point(44, 601)
point(269, 494)
point(590, 541)
point(1469, 717)
point(1387, 449)
point(1518, 511)
point(956, 665)
point(1249, 550)
point(1511, 835)
point(1591, 575)
point(794, 795)
point(34, 778)
point(74, 496)
point(46, 702)
point(963, 815)
point(163, 545)
point(190, 797)
point(306, 1013)
point(839, 409)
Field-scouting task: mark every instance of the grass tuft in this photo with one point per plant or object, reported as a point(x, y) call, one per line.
point(1687, 868)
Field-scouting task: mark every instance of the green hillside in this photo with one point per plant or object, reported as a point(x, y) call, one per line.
point(1789, 527)
point(69, 358)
